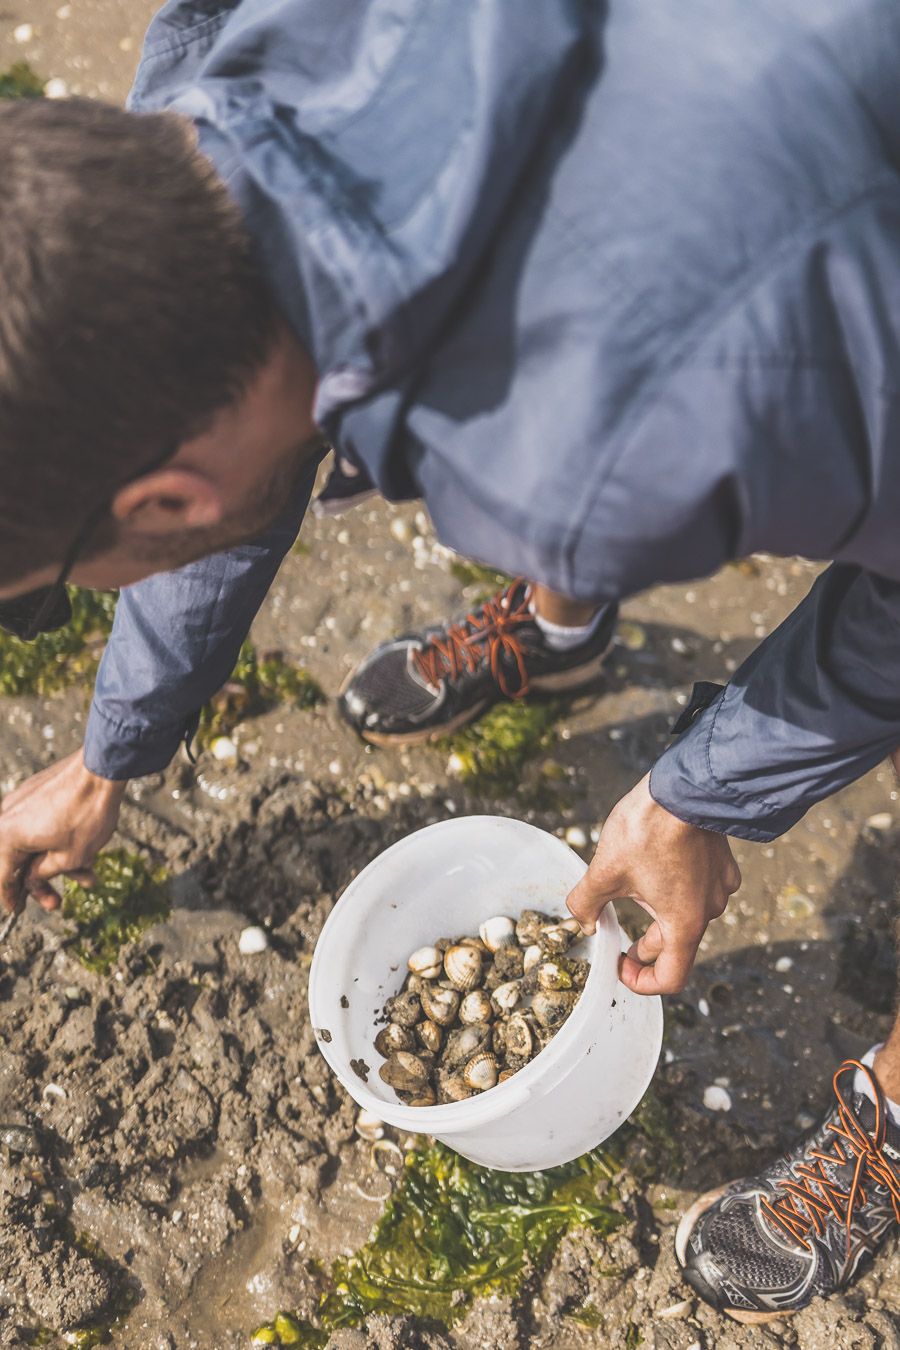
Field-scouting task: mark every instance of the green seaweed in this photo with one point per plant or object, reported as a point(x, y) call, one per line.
point(470, 573)
point(20, 81)
point(491, 753)
point(57, 661)
point(259, 682)
point(453, 1232)
point(54, 661)
point(129, 898)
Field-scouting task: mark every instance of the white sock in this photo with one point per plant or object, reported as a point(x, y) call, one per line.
point(559, 638)
point(861, 1084)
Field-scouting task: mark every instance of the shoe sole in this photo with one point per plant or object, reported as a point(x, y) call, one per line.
point(566, 682)
point(686, 1226)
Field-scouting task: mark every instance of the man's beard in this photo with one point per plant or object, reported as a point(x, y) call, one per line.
point(271, 498)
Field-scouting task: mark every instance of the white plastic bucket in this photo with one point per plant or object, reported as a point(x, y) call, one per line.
point(443, 881)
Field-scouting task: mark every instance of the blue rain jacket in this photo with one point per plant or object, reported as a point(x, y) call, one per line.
point(615, 289)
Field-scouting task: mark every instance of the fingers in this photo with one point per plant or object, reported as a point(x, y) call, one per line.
point(49, 865)
point(660, 963)
point(589, 898)
point(13, 866)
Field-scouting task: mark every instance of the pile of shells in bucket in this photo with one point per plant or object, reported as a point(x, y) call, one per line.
point(473, 1011)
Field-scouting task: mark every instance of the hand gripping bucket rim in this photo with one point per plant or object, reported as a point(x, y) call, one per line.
point(365, 901)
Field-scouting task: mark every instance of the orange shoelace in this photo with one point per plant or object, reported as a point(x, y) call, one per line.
point(488, 635)
point(821, 1197)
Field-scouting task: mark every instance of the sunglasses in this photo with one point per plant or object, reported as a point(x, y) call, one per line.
point(47, 608)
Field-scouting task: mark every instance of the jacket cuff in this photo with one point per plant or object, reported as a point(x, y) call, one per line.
point(682, 781)
point(119, 750)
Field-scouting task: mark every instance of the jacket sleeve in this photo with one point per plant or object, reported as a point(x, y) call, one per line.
point(174, 642)
point(814, 707)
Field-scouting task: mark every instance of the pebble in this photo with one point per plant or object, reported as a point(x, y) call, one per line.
point(223, 748)
point(252, 941)
point(632, 636)
point(717, 1098)
point(56, 88)
point(576, 837)
point(23, 32)
point(703, 1007)
point(400, 530)
point(783, 964)
point(882, 820)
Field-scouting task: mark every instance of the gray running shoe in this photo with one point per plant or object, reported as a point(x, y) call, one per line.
point(766, 1246)
point(423, 685)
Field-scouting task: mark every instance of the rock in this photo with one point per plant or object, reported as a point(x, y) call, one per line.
point(252, 941)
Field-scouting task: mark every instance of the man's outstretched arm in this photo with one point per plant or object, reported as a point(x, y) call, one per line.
point(175, 640)
point(814, 707)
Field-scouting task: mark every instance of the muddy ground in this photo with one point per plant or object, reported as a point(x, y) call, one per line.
point(177, 1111)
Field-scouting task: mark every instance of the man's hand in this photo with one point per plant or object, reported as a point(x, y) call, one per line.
point(54, 823)
point(681, 875)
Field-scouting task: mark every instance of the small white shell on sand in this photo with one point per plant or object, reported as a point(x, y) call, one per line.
point(400, 530)
point(252, 941)
point(53, 1092)
point(223, 748)
point(784, 964)
point(882, 820)
point(717, 1098)
point(56, 88)
point(576, 837)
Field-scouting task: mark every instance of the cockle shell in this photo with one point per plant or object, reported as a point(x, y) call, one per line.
point(518, 1042)
point(475, 1007)
point(462, 966)
point(504, 1074)
point(510, 962)
point(440, 1005)
point(405, 1009)
point(497, 932)
point(532, 956)
point(474, 942)
point(463, 1042)
point(529, 925)
point(427, 1097)
point(452, 1087)
point(369, 1126)
point(481, 1071)
point(405, 1071)
point(506, 996)
point(430, 1035)
point(554, 975)
point(551, 1008)
point(558, 937)
point(392, 1038)
point(426, 962)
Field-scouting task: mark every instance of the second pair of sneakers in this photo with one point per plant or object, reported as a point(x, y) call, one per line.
point(426, 684)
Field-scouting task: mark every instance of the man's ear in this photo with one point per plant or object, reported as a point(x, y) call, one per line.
point(167, 501)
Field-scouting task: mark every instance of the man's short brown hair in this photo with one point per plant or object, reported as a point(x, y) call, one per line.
point(131, 309)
